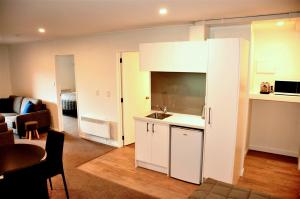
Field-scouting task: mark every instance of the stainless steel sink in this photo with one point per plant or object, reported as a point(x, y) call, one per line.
point(159, 116)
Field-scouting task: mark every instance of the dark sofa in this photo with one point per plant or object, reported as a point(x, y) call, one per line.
point(12, 107)
point(6, 135)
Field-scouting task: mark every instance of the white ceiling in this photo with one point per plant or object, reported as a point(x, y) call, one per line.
point(19, 19)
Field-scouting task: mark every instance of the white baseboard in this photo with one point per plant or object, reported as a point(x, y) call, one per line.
point(110, 142)
point(151, 166)
point(274, 150)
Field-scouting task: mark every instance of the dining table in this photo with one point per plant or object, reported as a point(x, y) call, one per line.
point(14, 157)
point(18, 165)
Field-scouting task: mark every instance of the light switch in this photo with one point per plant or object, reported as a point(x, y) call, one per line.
point(107, 93)
point(97, 92)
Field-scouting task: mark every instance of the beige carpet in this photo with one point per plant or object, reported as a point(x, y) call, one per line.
point(81, 184)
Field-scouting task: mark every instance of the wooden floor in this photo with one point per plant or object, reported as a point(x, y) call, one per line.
point(118, 166)
point(274, 174)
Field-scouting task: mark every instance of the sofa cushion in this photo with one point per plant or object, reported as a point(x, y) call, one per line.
point(17, 101)
point(37, 104)
point(10, 119)
point(6, 105)
point(28, 108)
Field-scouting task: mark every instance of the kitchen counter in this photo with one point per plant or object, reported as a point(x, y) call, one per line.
point(273, 97)
point(185, 120)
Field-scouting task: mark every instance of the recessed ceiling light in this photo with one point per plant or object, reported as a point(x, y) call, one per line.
point(163, 11)
point(41, 30)
point(279, 23)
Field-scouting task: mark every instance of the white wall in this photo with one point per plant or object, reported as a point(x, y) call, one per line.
point(275, 125)
point(33, 66)
point(242, 31)
point(66, 72)
point(5, 84)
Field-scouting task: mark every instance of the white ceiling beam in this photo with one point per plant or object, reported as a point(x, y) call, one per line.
point(246, 20)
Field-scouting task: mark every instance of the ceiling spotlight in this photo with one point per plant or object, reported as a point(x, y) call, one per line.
point(41, 30)
point(163, 11)
point(279, 23)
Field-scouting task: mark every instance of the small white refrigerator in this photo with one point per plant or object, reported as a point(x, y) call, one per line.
point(186, 154)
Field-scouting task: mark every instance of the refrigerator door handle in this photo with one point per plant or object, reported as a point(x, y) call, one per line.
point(209, 115)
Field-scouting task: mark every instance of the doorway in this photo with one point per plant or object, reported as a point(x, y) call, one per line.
point(66, 94)
point(135, 86)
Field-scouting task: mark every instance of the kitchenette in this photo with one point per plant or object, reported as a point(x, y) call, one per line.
point(197, 124)
point(168, 142)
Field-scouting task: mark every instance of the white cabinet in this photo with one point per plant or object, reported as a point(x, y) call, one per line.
point(227, 109)
point(187, 56)
point(142, 141)
point(152, 145)
point(160, 145)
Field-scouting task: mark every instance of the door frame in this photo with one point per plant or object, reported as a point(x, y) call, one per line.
point(58, 96)
point(119, 97)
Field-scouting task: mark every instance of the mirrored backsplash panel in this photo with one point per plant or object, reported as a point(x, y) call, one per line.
point(180, 92)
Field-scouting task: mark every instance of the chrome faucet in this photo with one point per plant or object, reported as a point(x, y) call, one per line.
point(162, 108)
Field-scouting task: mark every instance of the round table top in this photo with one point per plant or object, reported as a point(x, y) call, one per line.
point(18, 156)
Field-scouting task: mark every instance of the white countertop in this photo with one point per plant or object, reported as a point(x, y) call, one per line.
point(273, 97)
point(185, 120)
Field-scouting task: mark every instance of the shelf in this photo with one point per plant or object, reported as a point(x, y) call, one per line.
point(272, 97)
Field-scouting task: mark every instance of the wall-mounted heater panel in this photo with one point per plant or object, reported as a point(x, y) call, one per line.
point(96, 127)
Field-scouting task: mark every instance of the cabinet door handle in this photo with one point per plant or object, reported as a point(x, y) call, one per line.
point(147, 127)
point(152, 128)
point(209, 115)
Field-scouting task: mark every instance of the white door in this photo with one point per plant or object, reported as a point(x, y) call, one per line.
point(222, 104)
point(160, 144)
point(143, 141)
point(135, 92)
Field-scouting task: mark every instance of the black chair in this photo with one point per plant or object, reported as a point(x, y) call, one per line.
point(54, 160)
point(30, 182)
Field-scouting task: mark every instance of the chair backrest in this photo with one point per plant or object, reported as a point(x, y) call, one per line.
point(54, 149)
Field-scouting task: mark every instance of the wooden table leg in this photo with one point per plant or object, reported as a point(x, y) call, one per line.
point(37, 134)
